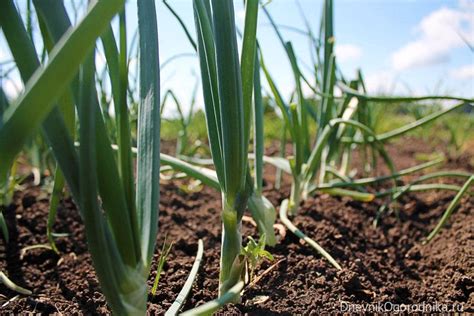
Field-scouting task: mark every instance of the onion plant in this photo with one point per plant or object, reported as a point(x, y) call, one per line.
point(342, 123)
point(454, 203)
point(12, 286)
point(262, 210)
point(227, 87)
point(121, 229)
point(173, 310)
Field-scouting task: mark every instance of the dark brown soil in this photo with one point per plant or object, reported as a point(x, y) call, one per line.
point(383, 264)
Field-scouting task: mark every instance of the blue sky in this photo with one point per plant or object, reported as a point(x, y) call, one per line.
point(402, 46)
point(397, 43)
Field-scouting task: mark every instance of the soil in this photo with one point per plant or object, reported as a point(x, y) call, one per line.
point(383, 264)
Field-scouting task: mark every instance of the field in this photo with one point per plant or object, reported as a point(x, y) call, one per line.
point(330, 200)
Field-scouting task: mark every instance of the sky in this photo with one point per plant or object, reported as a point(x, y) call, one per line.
point(403, 47)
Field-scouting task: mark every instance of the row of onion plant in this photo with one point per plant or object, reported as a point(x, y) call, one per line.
point(342, 122)
point(321, 163)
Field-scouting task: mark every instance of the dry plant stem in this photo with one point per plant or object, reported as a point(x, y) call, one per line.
point(264, 273)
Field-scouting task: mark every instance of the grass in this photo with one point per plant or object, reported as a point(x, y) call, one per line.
point(165, 251)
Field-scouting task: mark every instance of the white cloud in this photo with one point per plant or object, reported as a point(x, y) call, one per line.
point(307, 92)
point(463, 72)
point(466, 4)
point(438, 34)
point(3, 54)
point(183, 91)
point(240, 15)
point(382, 82)
point(12, 87)
point(100, 61)
point(347, 52)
